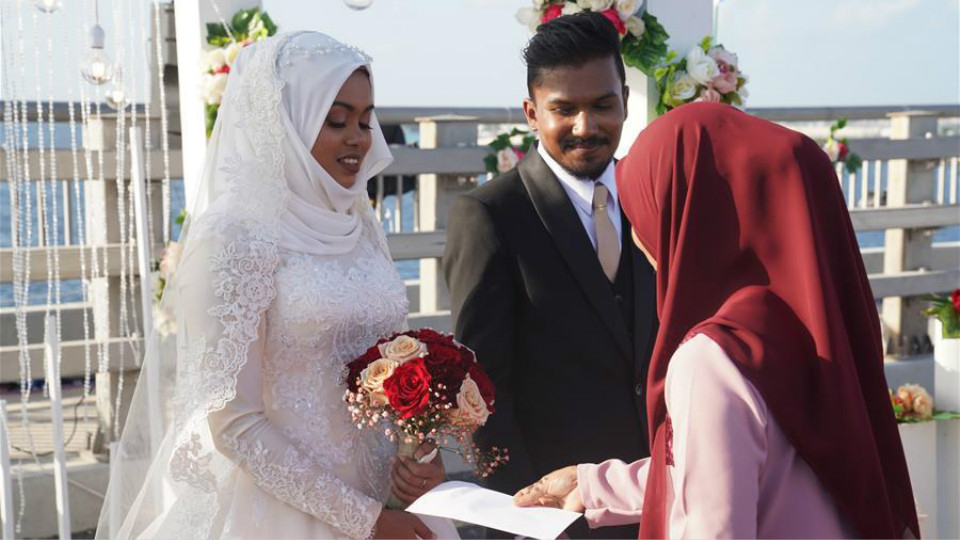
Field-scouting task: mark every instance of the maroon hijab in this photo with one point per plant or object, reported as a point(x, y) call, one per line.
point(756, 250)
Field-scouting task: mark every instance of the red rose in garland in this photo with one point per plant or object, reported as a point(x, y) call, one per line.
point(955, 300)
point(409, 388)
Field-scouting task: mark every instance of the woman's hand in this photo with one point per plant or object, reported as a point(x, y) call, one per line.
point(556, 490)
point(399, 524)
point(412, 479)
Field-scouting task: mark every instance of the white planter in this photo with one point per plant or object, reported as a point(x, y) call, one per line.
point(947, 397)
point(920, 448)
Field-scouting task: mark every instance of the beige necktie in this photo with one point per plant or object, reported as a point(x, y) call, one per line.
point(608, 245)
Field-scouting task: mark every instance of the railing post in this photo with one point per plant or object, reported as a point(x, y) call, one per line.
point(909, 182)
point(436, 193)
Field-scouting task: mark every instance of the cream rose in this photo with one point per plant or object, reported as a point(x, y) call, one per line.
point(215, 59)
point(701, 67)
point(529, 17)
point(506, 160)
point(636, 26)
point(213, 87)
point(171, 260)
point(627, 8)
point(402, 349)
point(472, 409)
point(923, 404)
point(231, 52)
point(684, 87)
point(569, 8)
point(371, 379)
point(595, 5)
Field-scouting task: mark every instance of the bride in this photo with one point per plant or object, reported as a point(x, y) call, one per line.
point(239, 430)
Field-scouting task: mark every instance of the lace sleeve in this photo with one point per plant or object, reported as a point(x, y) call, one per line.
point(242, 431)
point(223, 372)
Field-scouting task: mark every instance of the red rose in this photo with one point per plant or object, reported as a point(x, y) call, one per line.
point(446, 367)
point(408, 389)
point(223, 69)
point(355, 368)
point(955, 300)
point(551, 13)
point(614, 17)
point(842, 151)
point(429, 336)
point(484, 384)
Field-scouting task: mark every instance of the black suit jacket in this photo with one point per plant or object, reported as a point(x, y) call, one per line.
point(529, 296)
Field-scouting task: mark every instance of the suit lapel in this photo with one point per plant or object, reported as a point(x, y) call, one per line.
point(644, 306)
point(564, 225)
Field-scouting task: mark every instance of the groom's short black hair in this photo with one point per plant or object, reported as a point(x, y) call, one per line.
point(572, 41)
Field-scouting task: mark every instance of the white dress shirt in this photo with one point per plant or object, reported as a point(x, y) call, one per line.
point(580, 193)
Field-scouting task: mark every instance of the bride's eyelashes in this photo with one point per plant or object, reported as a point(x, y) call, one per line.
point(341, 125)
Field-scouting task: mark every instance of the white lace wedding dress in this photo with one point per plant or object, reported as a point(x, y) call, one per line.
point(237, 427)
point(305, 471)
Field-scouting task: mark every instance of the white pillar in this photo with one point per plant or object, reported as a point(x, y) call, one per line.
point(191, 23)
point(6, 490)
point(51, 361)
point(687, 22)
point(144, 255)
point(947, 397)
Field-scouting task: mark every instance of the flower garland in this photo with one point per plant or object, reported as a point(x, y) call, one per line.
point(643, 39)
point(912, 403)
point(708, 72)
point(838, 149)
point(504, 154)
point(947, 309)
point(247, 26)
point(163, 271)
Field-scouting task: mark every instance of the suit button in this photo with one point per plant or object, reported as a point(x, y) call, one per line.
point(618, 298)
point(639, 390)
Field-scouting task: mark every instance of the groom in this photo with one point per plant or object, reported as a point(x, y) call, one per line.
point(545, 282)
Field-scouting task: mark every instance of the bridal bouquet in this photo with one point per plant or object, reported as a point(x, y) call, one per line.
point(707, 73)
point(422, 385)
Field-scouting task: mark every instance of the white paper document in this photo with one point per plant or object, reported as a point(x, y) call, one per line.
point(473, 504)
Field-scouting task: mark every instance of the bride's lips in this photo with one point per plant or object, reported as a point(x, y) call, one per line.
point(350, 163)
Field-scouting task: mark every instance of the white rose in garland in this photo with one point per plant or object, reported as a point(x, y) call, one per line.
point(635, 26)
point(701, 67)
point(569, 8)
point(628, 8)
point(595, 5)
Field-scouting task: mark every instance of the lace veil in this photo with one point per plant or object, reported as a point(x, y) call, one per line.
point(261, 191)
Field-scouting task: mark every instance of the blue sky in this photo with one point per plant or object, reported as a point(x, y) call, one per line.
point(797, 52)
point(467, 52)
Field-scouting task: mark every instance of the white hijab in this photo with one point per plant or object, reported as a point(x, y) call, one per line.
point(322, 217)
point(261, 193)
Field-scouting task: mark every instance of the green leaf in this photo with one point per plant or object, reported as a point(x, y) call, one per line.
point(946, 415)
point(212, 111)
point(854, 162)
point(490, 161)
point(842, 123)
point(242, 19)
point(182, 217)
point(268, 23)
point(706, 43)
point(671, 56)
point(216, 33)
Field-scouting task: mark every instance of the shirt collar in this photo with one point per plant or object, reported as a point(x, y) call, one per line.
point(582, 187)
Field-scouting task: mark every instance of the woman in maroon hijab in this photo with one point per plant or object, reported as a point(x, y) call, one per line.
point(766, 396)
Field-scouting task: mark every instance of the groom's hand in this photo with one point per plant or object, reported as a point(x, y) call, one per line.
point(556, 490)
point(411, 479)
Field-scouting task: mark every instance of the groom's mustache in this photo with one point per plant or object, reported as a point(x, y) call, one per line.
point(589, 142)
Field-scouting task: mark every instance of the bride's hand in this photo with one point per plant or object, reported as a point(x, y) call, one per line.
point(399, 524)
point(556, 490)
point(412, 479)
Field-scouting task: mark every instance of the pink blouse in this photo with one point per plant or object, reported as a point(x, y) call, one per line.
point(735, 474)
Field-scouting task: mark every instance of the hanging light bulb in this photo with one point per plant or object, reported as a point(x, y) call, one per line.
point(117, 98)
point(96, 67)
point(48, 6)
point(358, 4)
